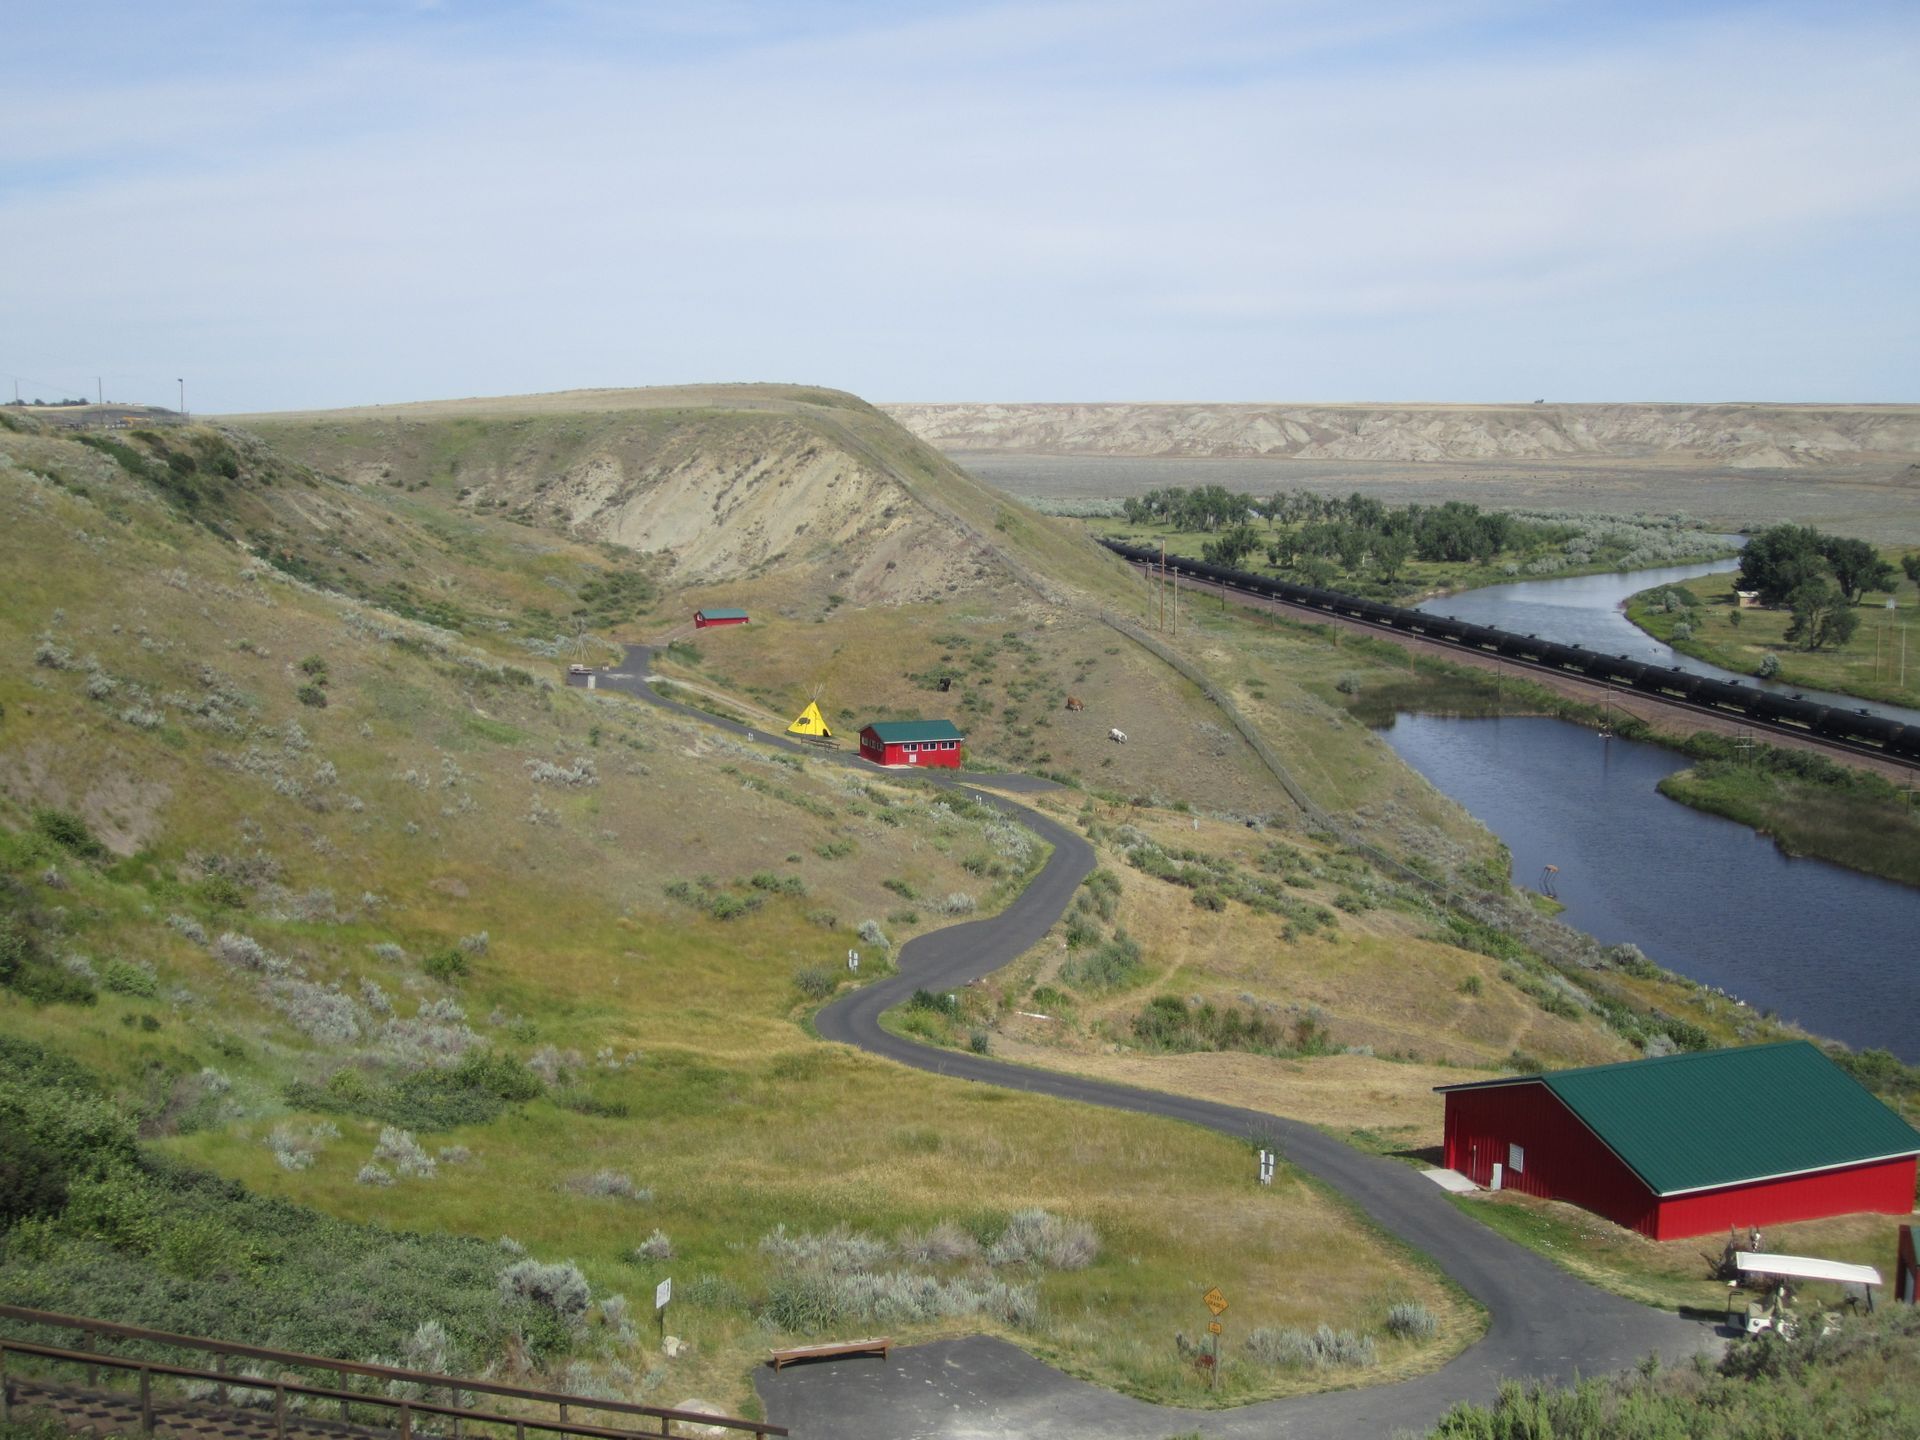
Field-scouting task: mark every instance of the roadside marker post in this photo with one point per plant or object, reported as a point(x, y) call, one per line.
point(662, 1293)
point(1217, 1303)
point(853, 959)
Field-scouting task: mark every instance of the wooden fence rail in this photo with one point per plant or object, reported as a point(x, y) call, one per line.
point(86, 1354)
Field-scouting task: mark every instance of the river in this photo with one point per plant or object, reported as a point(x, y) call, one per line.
point(1706, 897)
point(1587, 610)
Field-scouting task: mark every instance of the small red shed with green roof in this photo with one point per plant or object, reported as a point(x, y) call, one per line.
point(912, 742)
point(704, 619)
point(1690, 1144)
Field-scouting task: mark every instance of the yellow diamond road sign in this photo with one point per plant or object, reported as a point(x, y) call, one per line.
point(1214, 1327)
point(1215, 1301)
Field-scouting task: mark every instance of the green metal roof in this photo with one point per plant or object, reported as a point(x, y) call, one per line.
point(723, 614)
point(898, 732)
point(1709, 1118)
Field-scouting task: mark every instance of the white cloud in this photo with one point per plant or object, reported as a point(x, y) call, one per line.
point(979, 203)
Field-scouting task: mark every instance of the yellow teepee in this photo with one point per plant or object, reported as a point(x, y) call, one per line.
point(811, 722)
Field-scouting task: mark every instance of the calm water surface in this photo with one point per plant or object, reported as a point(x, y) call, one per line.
point(1835, 950)
point(1586, 610)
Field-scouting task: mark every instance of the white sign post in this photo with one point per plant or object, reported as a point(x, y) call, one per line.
point(853, 959)
point(662, 1293)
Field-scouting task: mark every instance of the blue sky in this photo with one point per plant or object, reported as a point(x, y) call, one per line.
point(297, 205)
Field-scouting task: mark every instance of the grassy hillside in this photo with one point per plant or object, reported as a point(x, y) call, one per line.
point(371, 917)
point(329, 889)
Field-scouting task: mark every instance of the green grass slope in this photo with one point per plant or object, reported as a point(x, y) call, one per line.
point(369, 915)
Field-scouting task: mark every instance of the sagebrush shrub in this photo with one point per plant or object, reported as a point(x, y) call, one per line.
point(1410, 1320)
point(1039, 1237)
point(612, 1185)
point(942, 1244)
point(398, 1148)
point(559, 1288)
point(838, 1250)
point(1321, 1349)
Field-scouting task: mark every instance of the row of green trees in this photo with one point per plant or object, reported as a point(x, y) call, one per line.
point(1323, 536)
point(1784, 558)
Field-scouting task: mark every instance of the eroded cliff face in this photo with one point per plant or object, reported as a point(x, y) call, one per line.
point(722, 486)
point(1746, 436)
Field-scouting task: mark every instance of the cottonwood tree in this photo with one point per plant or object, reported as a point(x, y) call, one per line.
point(1821, 616)
point(1781, 560)
point(1857, 566)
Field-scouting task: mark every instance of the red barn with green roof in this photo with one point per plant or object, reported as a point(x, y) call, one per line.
point(1690, 1144)
point(912, 742)
point(704, 619)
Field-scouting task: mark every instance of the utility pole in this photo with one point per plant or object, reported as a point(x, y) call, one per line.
point(183, 399)
point(99, 390)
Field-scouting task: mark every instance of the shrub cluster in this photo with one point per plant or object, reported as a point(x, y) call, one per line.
point(1114, 964)
point(1320, 1349)
point(101, 1229)
point(1215, 880)
point(1174, 1024)
point(471, 1092)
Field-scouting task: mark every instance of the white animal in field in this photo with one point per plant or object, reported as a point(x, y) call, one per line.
point(1118, 736)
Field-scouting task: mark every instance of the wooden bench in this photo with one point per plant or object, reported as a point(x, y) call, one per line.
point(882, 1347)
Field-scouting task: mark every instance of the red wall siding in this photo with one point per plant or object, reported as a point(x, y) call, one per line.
point(890, 754)
point(1563, 1160)
point(1884, 1189)
point(898, 756)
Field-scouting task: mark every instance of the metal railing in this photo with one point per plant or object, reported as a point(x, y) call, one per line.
point(402, 1412)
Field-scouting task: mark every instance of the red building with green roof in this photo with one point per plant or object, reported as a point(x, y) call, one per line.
point(1690, 1144)
point(912, 742)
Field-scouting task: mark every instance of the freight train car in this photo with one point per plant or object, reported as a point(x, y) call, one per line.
point(1848, 727)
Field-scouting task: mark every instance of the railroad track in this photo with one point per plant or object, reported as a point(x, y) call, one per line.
point(1255, 590)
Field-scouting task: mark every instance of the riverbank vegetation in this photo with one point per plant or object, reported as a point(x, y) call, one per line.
point(1805, 631)
point(1402, 552)
point(1835, 812)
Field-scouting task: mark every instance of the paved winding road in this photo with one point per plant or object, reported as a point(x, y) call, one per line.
point(1543, 1321)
